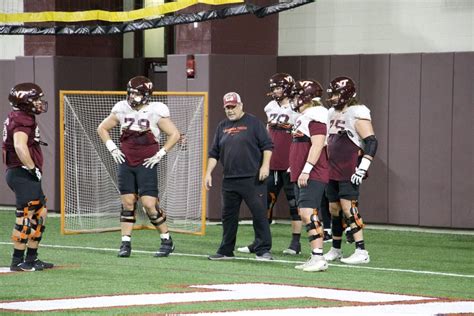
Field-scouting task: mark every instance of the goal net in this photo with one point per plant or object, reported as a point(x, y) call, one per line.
point(90, 199)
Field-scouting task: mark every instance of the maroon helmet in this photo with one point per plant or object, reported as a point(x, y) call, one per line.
point(283, 80)
point(305, 91)
point(27, 97)
point(345, 87)
point(141, 87)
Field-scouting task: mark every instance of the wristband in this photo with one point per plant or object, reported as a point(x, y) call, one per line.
point(364, 164)
point(162, 152)
point(307, 167)
point(110, 145)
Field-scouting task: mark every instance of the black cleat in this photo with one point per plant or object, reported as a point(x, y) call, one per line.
point(166, 248)
point(23, 266)
point(125, 249)
point(41, 265)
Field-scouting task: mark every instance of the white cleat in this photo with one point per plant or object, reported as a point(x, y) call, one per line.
point(316, 263)
point(358, 257)
point(243, 249)
point(333, 254)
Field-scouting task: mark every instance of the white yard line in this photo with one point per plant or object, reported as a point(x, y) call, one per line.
point(275, 261)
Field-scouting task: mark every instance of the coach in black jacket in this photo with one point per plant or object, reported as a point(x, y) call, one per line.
point(244, 148)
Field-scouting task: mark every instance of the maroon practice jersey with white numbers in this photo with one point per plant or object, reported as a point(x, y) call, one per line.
point(20, 121)
point(280, 121)
point(139, 131)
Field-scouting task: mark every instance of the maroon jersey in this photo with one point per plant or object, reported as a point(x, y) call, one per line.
point(300, 150)
point(19, 121)
point(280, 123)
point(344, 143)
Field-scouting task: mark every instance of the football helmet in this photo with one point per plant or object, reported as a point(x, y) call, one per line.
point(305, 91)
point(281, 80)
point(27, 97)
point(139, 90)
point(345, 87)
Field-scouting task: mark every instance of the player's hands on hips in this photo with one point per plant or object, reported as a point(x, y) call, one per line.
point(152, 161)
point(116, 153)
point(358, 176)
point(303, 180)
point(35, 172)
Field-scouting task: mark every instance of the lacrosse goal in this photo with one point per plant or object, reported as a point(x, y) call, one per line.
point(90, 199)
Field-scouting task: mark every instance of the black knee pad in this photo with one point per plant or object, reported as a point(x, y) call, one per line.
point(127, 216)
point(294, 210)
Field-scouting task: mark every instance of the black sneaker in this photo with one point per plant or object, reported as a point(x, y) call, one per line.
point(125, 249)
point(293, 249)
point(218, 256)
point(349, 236)
point(166, 248)
point(23, 266)
point(41, 265)
point(327, 236)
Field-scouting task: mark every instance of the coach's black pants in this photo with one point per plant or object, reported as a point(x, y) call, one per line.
point(254, 193)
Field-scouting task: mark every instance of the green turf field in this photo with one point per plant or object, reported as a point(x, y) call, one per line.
point(413, 263)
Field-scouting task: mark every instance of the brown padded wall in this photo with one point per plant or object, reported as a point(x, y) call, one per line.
point(404, 139)
point(435, 139)
point(7, 81)
point(462, 215)
point(374, 92)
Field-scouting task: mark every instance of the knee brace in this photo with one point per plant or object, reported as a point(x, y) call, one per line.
point(158, 218)
point(293, 210)
point(271, 203)
point(337, 226)
point(128, 216)
point(38, 225)
point(315, 224)
point(355, 221)
point(24, 228)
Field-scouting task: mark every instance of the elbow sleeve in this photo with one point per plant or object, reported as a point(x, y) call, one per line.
point(371, 144)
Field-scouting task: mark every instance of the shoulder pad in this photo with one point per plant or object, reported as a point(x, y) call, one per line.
point(360, 112)
point(21, 118)
point(317, 113)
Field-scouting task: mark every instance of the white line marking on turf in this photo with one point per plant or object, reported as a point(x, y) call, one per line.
point(216, 292)
point(435, 308)
point(252, 259)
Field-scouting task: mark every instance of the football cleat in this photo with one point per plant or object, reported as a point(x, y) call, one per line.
point(293, 249)
point(41, 265)
point(333, 254)
point(166, 248)
point(358, 257)
point(219, 256)
point(125, 249)
point(23, 266)
point(316, 263)
point(247, 249)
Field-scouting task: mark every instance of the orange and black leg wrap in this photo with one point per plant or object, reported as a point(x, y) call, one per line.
point(315, 225)
point(38, 223)
point(25, 227)
point(355, 221)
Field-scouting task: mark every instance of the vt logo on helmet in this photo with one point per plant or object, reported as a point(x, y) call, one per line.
point(305, 91)
point(344, 87)
point(284, 82)
point(139, 90)
point(26, 97)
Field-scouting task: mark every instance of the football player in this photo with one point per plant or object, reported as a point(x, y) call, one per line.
point(351, 146)
point(24, 161)
point(280, 121)
point(140, 123)
point(309, 166)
